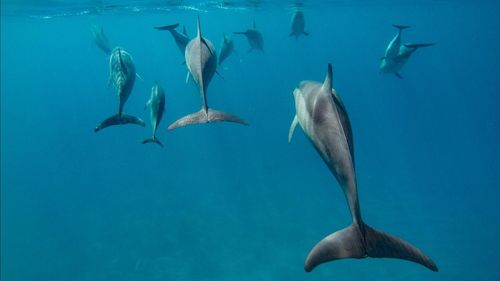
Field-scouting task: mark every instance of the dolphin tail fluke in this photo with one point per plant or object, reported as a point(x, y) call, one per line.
point(421, 45)
point(100, 39)
point(118, 119)
point(401, 27)
point(167, 27)
point(206, 116)
point(219, 116)
point(153, 140)
point(354, 242)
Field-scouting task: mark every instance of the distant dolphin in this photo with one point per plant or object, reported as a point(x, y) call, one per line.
point(226, 48)
point(323, 117)
point(122, 76)
point(181, 39)
point(201, 62)
point(298, 24)
point(254, 38)
point(156, 104)
point(397, 54)
point(100, 39)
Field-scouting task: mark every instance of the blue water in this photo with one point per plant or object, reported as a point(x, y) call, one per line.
point(229, 202)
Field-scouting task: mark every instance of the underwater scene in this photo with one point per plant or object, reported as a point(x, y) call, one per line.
point(250, 140)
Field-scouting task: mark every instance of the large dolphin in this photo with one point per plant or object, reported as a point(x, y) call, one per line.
point(156, 104)
point(201, 61)
point(181, 39)
point(254, 38)
point(397, 54)
point(298, 24)
point(324, 119)
point(226, 48)
point(122, 76)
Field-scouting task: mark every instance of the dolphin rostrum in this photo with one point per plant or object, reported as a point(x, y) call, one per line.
point(181, 39)
point(156, 104)
point(226, 48)
point(201, 61)
point(122, 76)
point(397, 54)
point(254, 38)
point(324, 119)
point(298, 24)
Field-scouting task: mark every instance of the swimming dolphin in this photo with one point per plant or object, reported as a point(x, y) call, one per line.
point(226, 48)
point(397, 54)
point(122, 76)
point(181, 39)
point(254, 38)
point(201, 61)
point(156, 104)
point(100, 39)
point(298, 24)
point(324, 119)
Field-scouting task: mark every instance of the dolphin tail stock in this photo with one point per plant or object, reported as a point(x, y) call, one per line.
point(119, 119)
point(167, 27)
point(401, 27)
point(206, 116)
point(363, 241)
point(154, 139)
point(421, 45)
point(100, 39)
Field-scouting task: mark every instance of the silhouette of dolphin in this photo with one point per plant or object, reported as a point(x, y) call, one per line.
point(156, 104)
point(254, 38)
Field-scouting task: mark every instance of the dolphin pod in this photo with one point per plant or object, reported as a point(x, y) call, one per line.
point(397, 54)
point(201, 61)
point(323, 118)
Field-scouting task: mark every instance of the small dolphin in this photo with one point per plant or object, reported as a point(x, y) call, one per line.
point(226, 48)
point(100, 39)
point(324, 119)
point(254, 38)
point(298, 24)
point(181, 39)
point(201, 61)
point(156, 104)
point(397, 54)
point(122, 76)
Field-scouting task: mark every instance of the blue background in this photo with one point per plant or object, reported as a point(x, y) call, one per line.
point(228, 202)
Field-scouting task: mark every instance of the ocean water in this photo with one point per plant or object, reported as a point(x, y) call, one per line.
point(229, 202)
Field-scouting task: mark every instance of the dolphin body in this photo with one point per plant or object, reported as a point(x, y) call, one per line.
point(298, 24)
point(181, 39)
point(156, 104)
point(324, 119)
point(397, 54)
point(122, 76)
point(201, 61)
point(254, 38)
point(226, 48)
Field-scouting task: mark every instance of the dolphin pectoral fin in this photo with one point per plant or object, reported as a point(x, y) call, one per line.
point(183, 62)
point(383, 245)
point(291, 34)
point(199, 117)
point(220, 75)
point(305, 33)
point(187, 77)
point(292, 128)
point(167, 27)
point(350, 242)
point(421, 45)
point(119, 120)
point(401, 27)
point(345, 243)
point(139, 76)
point(219, 116)
point(153, 140)
point(398, 75)
point(383, 58)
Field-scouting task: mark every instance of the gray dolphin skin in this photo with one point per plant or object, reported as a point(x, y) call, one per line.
point(181, 39)
point(324, 120)
point(122, 76)
point(254, 38)
point(397, 54)
point(201, 61)
point(156, 105)
point(298, 24)
point(226, 48)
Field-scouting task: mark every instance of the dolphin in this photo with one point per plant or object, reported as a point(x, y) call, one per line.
point(201, 61)
point(254, 38)
point(122, 76)
point(226, 48)
point(100, 39)
point(324, 120)
point(156, 104)
point(298, 24)
point(181, 39)
point(397, 54)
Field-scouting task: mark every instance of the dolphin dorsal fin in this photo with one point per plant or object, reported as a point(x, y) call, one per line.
point(184, 31)
point(199, 28)
point(329, 78)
